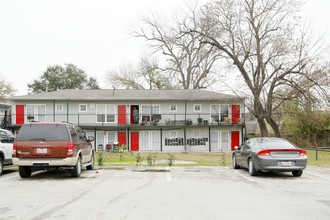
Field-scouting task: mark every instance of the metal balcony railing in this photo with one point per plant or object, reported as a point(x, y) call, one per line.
point(5, 121)
point(128, 119)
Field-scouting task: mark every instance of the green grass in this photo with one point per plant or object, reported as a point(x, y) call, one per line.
point(198, 159)
point(322, 161)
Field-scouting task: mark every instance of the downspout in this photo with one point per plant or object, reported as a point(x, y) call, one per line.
point(161, 139)
point(209, 138)
point(95, 139)
point(128, 146)
point(54, 116)
point(150, 106)
point(67, 110)
point(185, 110)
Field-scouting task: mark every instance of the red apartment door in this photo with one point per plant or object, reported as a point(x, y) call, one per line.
point(121, 114)
point(122, 137)
point(134, 140)
point(19, 114)
point(235, 110)
point(234, 139)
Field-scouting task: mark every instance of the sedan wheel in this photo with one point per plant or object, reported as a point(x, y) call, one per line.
point(297, 173)
point(235, 166)
point(1, 166)
point(252, 170)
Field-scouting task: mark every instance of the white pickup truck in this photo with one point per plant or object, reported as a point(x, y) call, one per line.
point(6, 148)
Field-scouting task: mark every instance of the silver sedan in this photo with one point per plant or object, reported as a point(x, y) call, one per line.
point(269, 154)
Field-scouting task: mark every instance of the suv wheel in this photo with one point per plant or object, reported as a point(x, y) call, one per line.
point(24, 172)
point(91, 167)
point(77, 169)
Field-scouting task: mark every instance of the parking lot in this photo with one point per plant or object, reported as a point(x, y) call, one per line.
point(166, 193)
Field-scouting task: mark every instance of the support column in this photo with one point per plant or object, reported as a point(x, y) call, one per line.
point(209, 139)
point(161, 139)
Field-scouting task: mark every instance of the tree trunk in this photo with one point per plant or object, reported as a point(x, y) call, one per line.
point(262, 127)
point(274, 126)
point(259, 113)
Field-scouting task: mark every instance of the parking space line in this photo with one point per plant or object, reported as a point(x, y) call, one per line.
point(251, 180)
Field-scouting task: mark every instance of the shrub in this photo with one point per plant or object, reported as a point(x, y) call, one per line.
point(100, 159)
point(151, 159)
point(138, 159)
point(171, 159)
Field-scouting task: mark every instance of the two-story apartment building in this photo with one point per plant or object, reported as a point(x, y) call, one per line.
point(143, 120)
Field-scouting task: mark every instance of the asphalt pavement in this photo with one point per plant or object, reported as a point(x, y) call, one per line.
point(166, 193)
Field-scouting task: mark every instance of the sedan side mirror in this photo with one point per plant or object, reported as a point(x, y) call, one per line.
point(90, 139)
point(236, 148)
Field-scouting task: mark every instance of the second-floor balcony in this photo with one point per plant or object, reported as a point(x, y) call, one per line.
point(97, 120)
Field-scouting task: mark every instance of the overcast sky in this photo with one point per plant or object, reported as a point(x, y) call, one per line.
point(91, 34)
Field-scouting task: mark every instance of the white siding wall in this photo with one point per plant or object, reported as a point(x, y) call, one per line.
point(170, 138)
point(149, 140)
point(220, 139)
point(198, 140)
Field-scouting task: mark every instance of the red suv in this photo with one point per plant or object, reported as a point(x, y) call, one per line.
point(42, 146)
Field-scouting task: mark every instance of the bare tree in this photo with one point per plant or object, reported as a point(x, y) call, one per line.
point(323, 91)
point(311, 91)
point(264, 41)
point(6, 90)
point(125, 77)
point(146, 76)
point(187, 61)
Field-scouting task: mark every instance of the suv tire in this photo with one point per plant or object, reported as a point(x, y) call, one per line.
point(91, 167)
point(77, 169)
point(24, 172)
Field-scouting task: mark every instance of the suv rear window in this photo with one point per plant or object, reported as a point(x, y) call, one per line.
point(46, 132)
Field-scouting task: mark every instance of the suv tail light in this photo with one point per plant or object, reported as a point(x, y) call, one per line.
point(70, 149)
point(14, 150)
